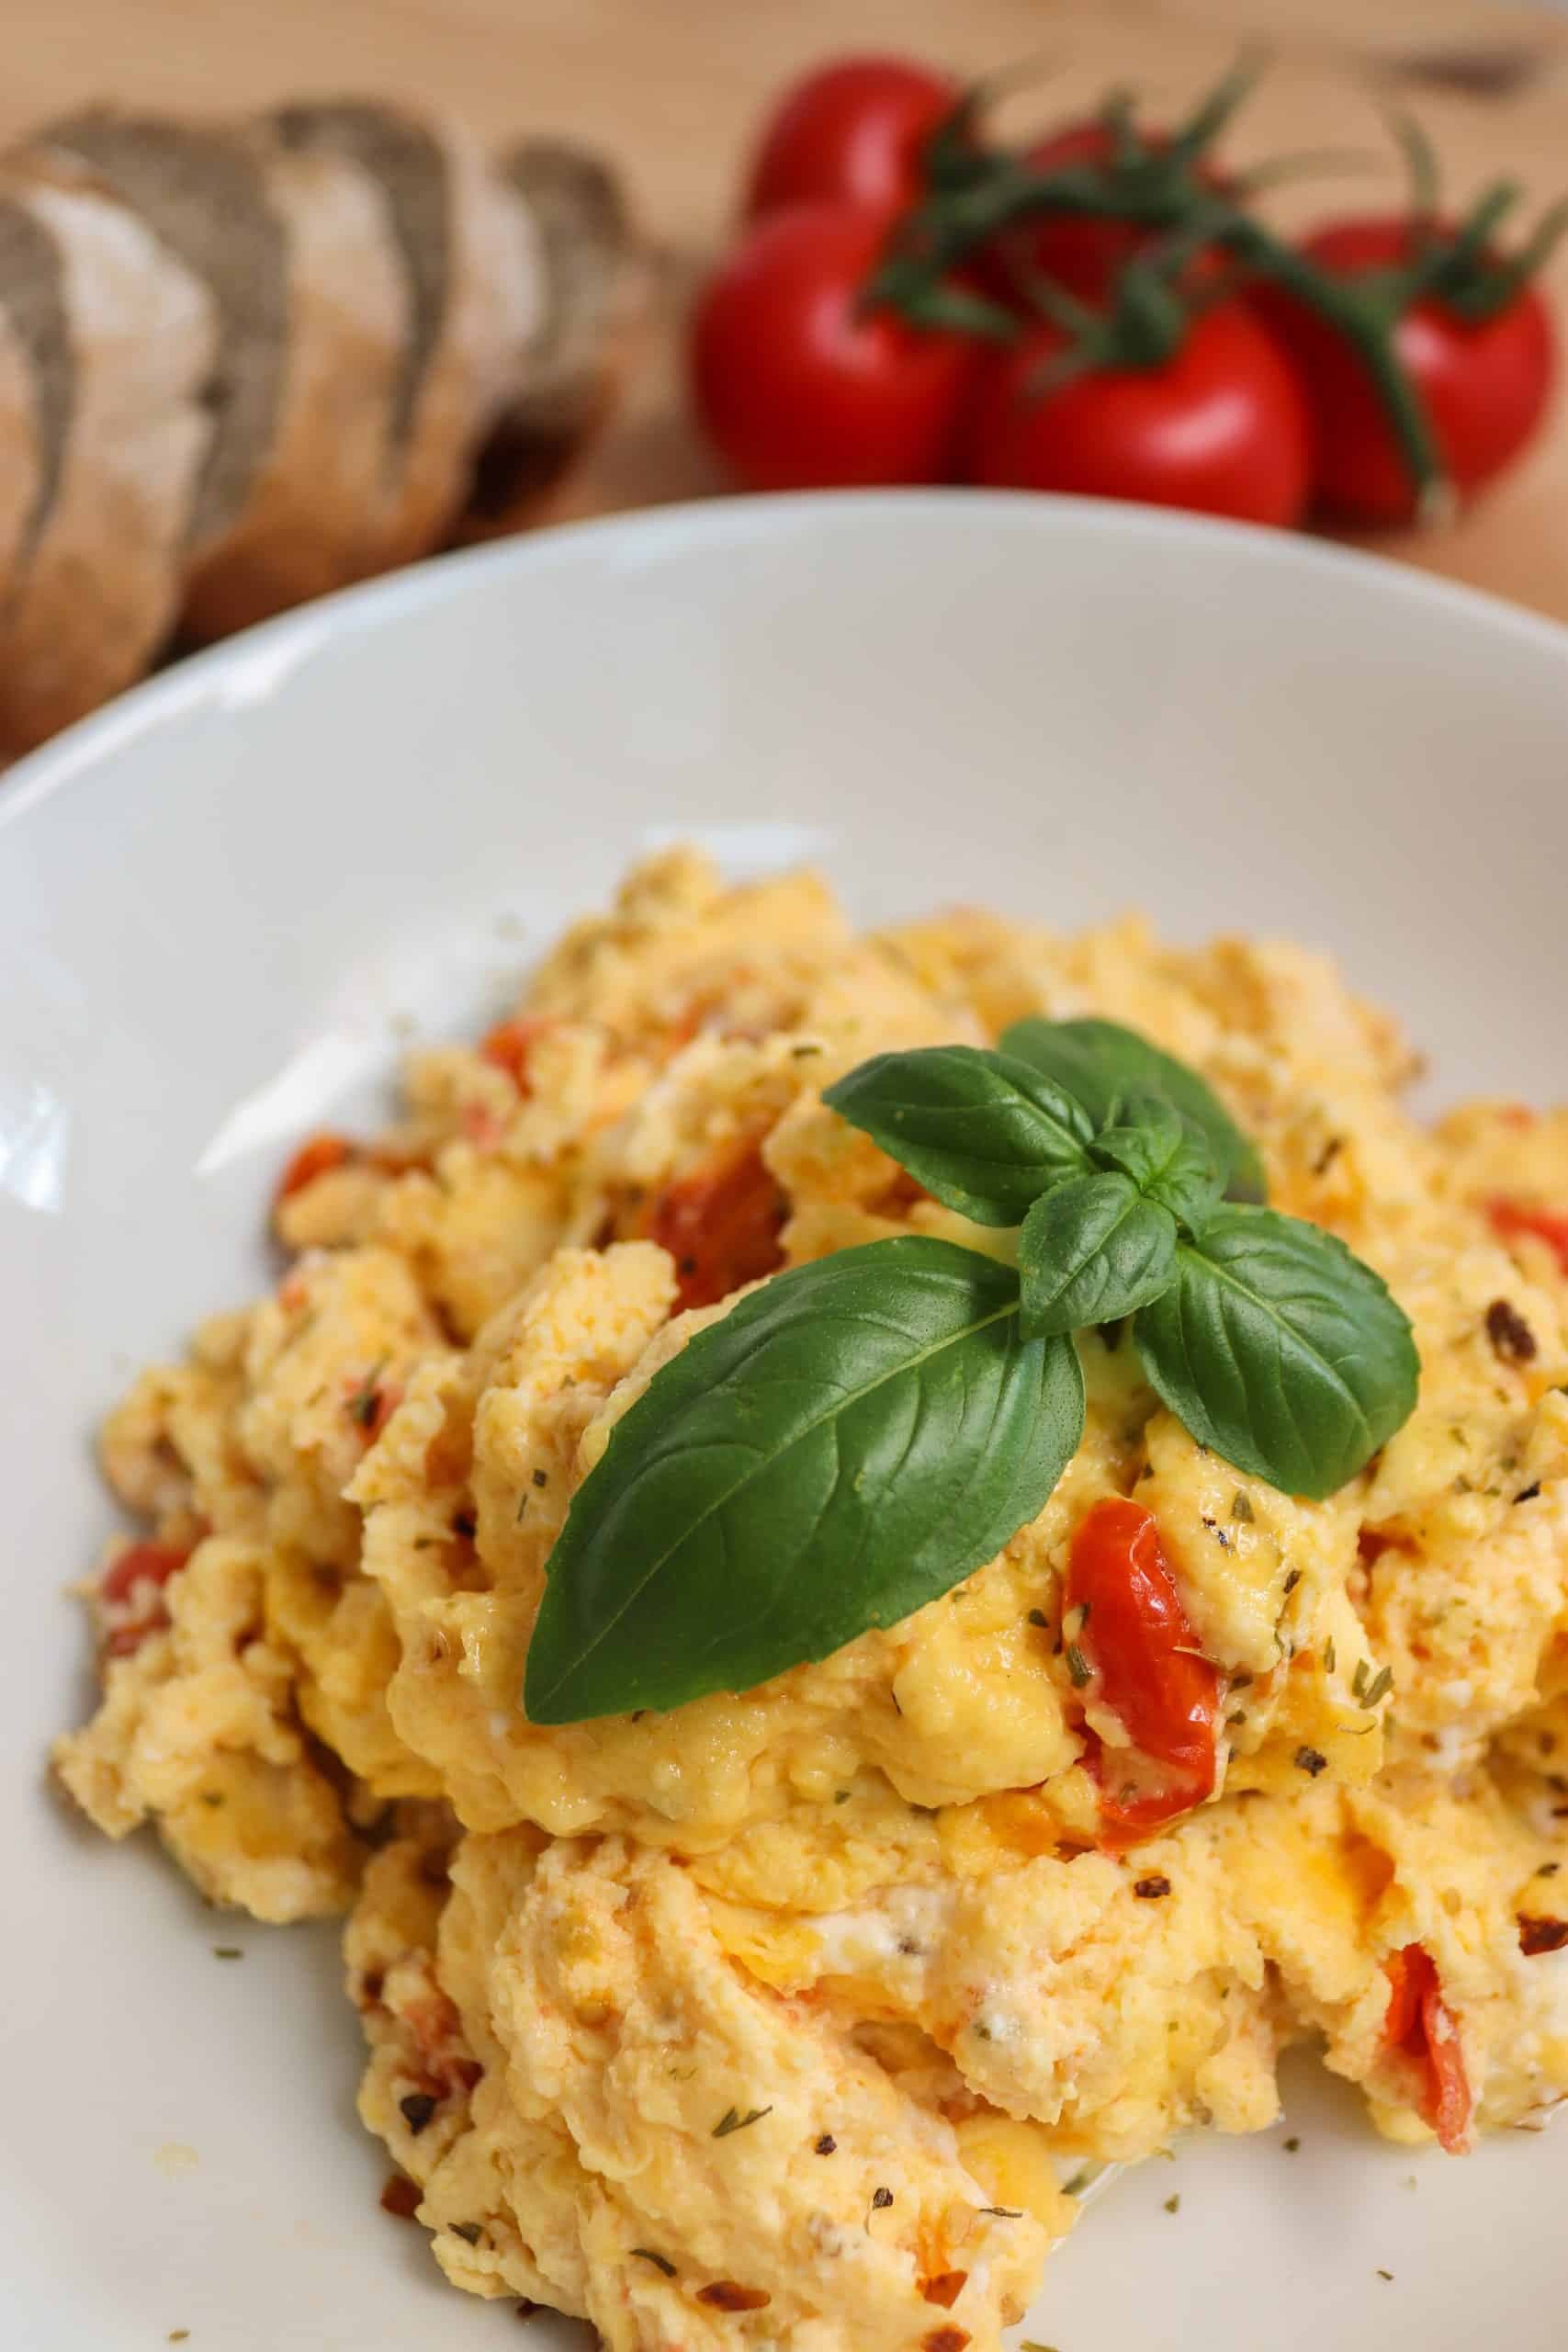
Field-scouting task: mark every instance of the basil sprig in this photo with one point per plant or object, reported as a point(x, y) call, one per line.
point(858, 1435)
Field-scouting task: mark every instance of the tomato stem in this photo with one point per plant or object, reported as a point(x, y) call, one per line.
point(1212, 114)
point(1365, 320)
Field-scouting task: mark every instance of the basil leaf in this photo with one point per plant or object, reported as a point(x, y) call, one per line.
point(1099, 1060)
point(1091, 1250)
point(984, 1134)
point(1165, 1154)
point(1280, 1350)
point(844, 1445)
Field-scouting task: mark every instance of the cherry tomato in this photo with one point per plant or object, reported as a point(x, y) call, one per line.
point(1484, 382)
point(1511, 1219)
point(1218, 425)
point(855, 129)
point(1083, 252)
point(315, 1156)
point(721, 1224)
point(1138, 1644)
point(797, 385)
point(1419, 2025)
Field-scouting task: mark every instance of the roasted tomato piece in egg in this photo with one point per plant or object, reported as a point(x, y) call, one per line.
point(508, 1048)
point(721, 1224)
point(1133, 1634)
point(131, 1591)
point(1511, 1219)
point(316, 1156)
point(1420, 2026)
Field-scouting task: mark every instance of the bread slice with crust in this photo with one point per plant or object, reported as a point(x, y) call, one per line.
point(313, 517)
point(100, 590)
point(202, 191)
point(580, 213)
point(37, 385)
point(472, 267)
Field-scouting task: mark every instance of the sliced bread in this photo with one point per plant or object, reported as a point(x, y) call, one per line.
point(102, 587)
point(202, 192)
point(36, 386)
point(578, 207)
point(19, 448)
point(474, 289)
point(315, 512)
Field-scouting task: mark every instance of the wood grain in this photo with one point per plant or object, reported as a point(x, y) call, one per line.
point(672, 88)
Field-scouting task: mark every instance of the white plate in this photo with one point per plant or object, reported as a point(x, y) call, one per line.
point(216, 901)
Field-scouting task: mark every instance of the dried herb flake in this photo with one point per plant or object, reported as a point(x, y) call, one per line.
point(1378, 1689)
point(733, 2121)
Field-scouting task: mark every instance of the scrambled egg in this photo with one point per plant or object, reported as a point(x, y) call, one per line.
point(785, 2018)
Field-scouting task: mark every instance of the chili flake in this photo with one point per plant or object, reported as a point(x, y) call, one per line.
point(1510, 1335)
point(1541, 1935)
point(826, 2145)
point(724, 2295)
point(401, 2196)
point(1150, 1889)
point(944, 2288)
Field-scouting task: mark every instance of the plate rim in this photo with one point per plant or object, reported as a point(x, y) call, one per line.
point(272, 648)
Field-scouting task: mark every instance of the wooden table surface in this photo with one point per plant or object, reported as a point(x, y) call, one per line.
point(672, 90)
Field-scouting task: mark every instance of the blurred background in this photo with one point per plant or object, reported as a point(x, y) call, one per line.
point(670, 94)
